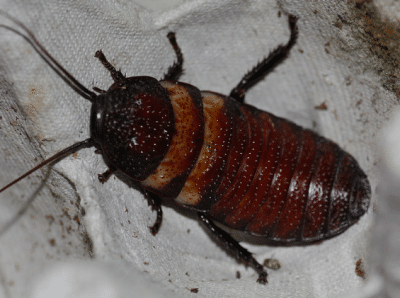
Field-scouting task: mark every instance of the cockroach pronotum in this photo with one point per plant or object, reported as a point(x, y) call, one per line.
point(228, 161)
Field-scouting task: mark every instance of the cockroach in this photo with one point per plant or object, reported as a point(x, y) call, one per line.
point(226, 160)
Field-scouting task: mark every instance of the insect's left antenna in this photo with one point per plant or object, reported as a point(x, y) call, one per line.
point(71, 149)
point(65, 75)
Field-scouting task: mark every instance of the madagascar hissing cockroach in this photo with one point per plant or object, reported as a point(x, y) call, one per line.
point(228, 161)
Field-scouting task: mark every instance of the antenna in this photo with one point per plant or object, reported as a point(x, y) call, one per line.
point(65, 75)
point(71, 149)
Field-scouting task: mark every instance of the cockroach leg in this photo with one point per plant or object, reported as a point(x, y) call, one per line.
point(174, 71)
point(115, 74)
point(267, 65)
point(155, 203)
point(241, 254)
point(106, 175)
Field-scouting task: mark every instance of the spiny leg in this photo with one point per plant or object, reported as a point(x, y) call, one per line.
point(116, 75)
point(241, 254)
point(262, 69)
point(106, 175)
point(155, 203)
point(174, 71)
point(153, 200)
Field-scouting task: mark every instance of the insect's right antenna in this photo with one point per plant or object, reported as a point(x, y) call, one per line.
point(86, 143)
point(65, 75)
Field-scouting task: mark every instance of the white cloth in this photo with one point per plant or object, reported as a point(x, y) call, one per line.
point(221, 41)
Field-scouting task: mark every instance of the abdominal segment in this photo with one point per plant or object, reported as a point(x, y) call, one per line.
point(258, 173)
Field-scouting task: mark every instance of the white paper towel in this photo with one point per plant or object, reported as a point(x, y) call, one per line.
point(332, 63)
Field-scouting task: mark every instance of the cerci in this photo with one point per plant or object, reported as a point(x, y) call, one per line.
point(230, 162)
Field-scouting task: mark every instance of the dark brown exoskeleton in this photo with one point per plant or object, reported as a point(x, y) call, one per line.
point(232, 163)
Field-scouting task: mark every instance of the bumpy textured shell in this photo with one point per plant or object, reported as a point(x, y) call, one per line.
point(255, 172)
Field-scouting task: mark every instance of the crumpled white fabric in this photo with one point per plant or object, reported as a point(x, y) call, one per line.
point(56, 242)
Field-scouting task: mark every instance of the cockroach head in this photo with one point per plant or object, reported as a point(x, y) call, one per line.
point(133, 123)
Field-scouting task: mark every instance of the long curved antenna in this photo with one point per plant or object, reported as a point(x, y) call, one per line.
point(16, 217)
point(65, 75)
point(86, 143)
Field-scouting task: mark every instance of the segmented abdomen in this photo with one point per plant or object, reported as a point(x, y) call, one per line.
point(258, 173)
